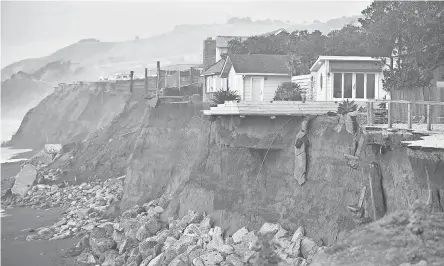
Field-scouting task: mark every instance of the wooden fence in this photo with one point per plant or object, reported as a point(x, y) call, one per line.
point(429, 105)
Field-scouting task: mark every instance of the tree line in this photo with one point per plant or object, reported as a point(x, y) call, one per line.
point(410, 34)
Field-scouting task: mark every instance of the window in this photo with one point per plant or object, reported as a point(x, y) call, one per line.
point(354, 85)
point(370, 86)
point(209, 84)
point(337, 85)
point(348, 85)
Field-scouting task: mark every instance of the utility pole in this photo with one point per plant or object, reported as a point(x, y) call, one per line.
point(158, 78)
point(146, 82)
point(131, 81)
point(179, 78)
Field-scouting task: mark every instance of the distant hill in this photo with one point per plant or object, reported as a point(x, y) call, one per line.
point(183, 44)
point(20, 93)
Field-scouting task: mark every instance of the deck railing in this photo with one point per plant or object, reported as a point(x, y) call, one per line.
point(427, 113)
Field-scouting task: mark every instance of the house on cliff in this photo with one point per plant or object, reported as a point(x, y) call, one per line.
point(255, 77)
point(214, 80)
point(214, 49)
point(335, 78)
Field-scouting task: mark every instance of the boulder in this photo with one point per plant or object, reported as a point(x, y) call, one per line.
point(153, 226)
point(239, 235)
point(298, 234)
point(158, 210)
point(108, 258)
point(86, 258)
point(149, 247)
point(142, 233)
point(211, 258)
point(269, 228)
point(193, 252)
point(100, 245)
point(157, 261)
point(24, 180)
point(234, 260)
point(127, 244)
point(308, 248)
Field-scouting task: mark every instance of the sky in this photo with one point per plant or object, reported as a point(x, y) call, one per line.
point(38, 28)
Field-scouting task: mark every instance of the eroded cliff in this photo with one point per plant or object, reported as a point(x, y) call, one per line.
point(242, 171)
point(69, 114)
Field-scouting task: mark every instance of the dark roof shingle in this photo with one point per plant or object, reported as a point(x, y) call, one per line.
point(216, 68)
point(260, 63)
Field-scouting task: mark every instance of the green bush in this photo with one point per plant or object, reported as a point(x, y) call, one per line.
point(347, 107)
point(288, 91)
point(222, 96)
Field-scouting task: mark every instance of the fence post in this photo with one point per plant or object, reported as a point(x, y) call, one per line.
point(146, 82)
point(158, 78)
point(429, 118)
point(370, 113)
point(389, 115)
point(409, 115)
point(131, 81)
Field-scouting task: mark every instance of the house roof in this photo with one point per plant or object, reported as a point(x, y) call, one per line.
point(275, 32)
point(222, 41)
point(321, 60)
point(259, 64)
point(215, 69)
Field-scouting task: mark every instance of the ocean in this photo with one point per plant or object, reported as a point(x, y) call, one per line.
point(8, 128)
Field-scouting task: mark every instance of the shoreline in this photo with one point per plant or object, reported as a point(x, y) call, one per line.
point(17, 251)
point(11, 169)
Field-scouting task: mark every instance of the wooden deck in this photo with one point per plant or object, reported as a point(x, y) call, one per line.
point(281, 108)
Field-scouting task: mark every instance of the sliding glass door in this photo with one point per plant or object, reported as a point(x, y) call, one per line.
point(354, 85)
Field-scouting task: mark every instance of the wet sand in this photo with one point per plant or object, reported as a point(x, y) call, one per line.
point(37, 253)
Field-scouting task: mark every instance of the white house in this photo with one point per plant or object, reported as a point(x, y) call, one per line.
point(256, 77)
point(345, 77)
point(213, 80)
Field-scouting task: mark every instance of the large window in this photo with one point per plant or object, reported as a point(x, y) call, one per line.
point(210, 84)
point(354, 85)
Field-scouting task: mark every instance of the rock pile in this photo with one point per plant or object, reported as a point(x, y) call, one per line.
point(142, 237)
point(87, 206)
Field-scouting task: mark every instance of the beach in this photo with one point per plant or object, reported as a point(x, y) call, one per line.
point(19, 252)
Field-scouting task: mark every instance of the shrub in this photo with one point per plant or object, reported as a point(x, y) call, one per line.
point(347, 107)
point(221, 96)
point(288, 91)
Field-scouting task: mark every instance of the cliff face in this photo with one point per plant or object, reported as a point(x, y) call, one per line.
point(223, 168)
point(70, 113)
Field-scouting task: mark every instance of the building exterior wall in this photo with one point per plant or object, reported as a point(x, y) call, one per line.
point(322, 83)
point(304, 82)
point(209, 53)
point(325, 93)
point(212, 84)
point(220, 51)
point(236, 82)
point(271, 83)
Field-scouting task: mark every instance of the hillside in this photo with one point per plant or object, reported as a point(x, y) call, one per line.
point(183, 44)
point(20, 93)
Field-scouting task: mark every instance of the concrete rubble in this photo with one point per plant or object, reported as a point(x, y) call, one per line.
point(143, 236)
